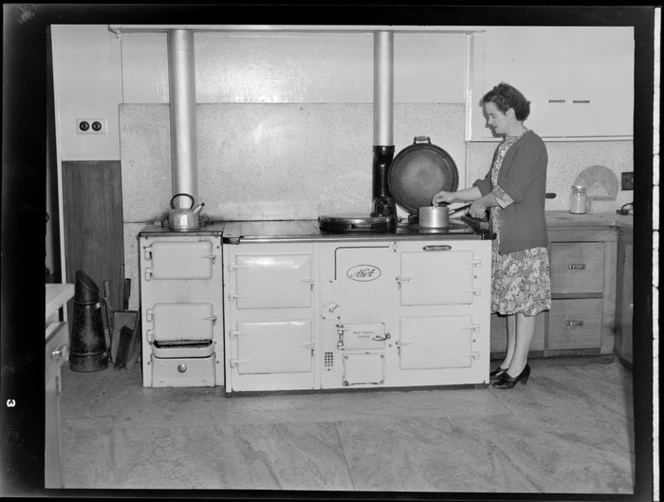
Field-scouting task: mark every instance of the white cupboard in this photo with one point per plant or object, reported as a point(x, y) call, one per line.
point(579, 80)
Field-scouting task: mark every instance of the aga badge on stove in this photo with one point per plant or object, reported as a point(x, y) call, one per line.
point(363, 273)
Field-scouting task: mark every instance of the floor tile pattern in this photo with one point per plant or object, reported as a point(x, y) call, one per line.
point(569, 429)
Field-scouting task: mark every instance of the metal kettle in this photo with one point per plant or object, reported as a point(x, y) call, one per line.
point(184, 219)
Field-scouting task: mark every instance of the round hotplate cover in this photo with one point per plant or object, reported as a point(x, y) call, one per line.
point(418, 173)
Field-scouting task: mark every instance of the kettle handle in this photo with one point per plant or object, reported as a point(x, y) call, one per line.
point(177, 195)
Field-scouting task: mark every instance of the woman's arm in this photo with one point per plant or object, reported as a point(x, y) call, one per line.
point(479, 206)
point(466, 195)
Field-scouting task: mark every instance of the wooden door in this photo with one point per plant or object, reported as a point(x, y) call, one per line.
point(94, 241)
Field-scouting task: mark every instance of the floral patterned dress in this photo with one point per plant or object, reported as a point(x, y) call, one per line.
point(520, 281)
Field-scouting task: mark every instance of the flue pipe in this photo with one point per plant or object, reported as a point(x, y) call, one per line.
point(383, 88)
point(383, 149)
point(182, 92)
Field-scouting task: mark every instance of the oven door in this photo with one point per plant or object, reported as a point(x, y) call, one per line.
point(182, 322)
point(437, 342)
point(438, 274)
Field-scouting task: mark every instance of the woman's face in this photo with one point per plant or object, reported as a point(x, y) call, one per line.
point(497, 120)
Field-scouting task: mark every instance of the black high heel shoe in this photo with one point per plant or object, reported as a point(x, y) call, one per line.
point(497, 373)
point(507, 382)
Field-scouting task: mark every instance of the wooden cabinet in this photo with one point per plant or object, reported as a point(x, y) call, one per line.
point(569, 74)
point(56, 354)
point(583, 290)
point(590, 291)
point(625, 303)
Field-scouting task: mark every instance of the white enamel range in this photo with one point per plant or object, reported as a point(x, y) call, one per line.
point(404, 312)
point(309, 310)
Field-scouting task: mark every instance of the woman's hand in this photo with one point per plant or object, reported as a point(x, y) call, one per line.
point(443, 197)
point(477, 209)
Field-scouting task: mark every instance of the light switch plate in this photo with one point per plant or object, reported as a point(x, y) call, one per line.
point(91, 126)
point(628, 181)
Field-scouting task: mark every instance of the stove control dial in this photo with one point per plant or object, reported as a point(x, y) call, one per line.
point(182, 367)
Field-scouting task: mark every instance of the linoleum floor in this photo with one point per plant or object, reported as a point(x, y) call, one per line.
point(569, 430)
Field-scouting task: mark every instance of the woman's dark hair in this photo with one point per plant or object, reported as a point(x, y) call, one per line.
point(504, 96)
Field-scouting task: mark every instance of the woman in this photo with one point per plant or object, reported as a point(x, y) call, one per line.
point(514, 190)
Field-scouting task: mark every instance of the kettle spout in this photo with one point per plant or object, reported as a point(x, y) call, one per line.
point(199, 208)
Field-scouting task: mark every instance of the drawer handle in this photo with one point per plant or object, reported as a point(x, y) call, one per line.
point(61, 354)
point(442, 247)
point(574, 324)
point(182, 367)
point(576, 266)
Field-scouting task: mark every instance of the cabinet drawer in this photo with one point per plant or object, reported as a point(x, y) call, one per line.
point(577, 267)
point(575, 324)
point(57, 348)
point(183, 372)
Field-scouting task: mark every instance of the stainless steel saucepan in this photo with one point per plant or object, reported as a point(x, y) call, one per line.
point(437, 216)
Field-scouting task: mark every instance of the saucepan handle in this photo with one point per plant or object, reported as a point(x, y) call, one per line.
point(461, 208)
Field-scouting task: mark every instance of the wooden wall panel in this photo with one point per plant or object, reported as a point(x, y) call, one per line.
point(92, 193)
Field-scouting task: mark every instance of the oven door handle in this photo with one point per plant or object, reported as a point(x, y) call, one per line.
point(437, 247)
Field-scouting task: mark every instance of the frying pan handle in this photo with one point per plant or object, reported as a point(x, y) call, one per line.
point(422, 139)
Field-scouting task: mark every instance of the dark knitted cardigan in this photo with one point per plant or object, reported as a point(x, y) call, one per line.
point(523, 177)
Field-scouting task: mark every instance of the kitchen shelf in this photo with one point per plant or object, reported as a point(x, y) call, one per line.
point(120, 29)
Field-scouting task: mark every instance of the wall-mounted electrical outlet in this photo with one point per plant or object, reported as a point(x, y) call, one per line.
point(91, 126)
point(628, 181)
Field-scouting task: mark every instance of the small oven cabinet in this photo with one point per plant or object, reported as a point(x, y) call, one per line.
point(181, 309)
point(270, 332)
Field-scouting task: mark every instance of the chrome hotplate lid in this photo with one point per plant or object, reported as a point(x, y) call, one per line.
point(356, 223)
point(354, 218)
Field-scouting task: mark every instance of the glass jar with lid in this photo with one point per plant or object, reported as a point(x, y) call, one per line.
point(578, 199)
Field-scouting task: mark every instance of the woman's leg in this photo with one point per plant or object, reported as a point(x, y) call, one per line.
point(525, 331)
point(511, 341)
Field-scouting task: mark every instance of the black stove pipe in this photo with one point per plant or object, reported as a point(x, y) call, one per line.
point(383, 204)
point(383, 150)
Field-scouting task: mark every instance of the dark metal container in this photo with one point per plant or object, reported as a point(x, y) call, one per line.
point(87, 341)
